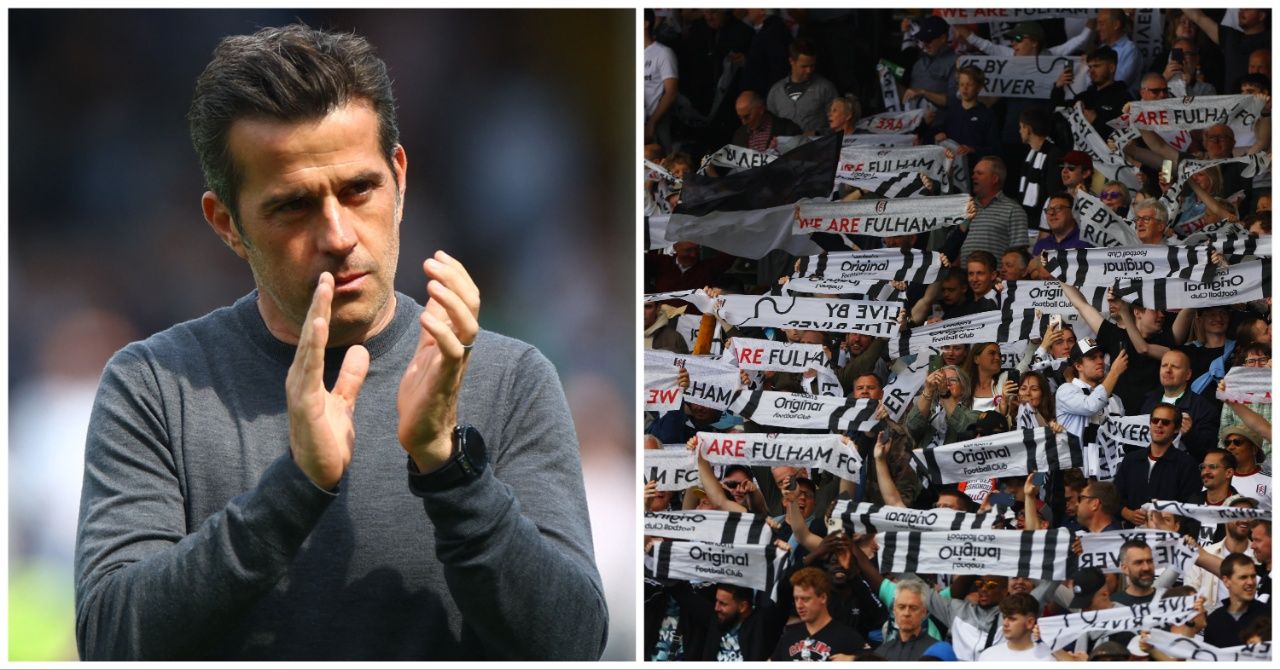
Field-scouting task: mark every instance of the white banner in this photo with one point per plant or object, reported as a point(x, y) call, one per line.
point(1195, 649)
point(656, 172)
point(709, 526)
point(656, 229)
point(756, 354)
point(1100, 226)
point(865, 167)
point(1102, 550)
point(1234, 244)
point(882, 218)
point(734, 156)
point(1148, 34)
point(1038, 554)
point(1089, 141)
point(1011, 15)
point(825, 452)
point(869, 317)
point(906, 265)
point(859, 289)
point(1207, 515)
point(991, 326)
point(880, 140)
point(1102, 267)
point(801, 410)
point(891, 122)
point(903, 386)
point(1049, 298)
point(1060, 631)
point(696, 297)
point(712, 381)
point(1247, 385)
point(755, 567)
point(1026, 76)
point(1194, 113)
point(1234, 284)
point(1007, 454)
point(888, 89)
point(1116, 437)
point(674, 468)
point(868, 518)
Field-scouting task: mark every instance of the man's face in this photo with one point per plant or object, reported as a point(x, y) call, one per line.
point(1026, 47)
point(1057, 213)
point(804, 500)
point(1214, 473)
point(952, 291)
point(1149, 320)
point(949, 501)
point(1190, 55)
point(1243, 583)
point(1101, 72)
point(985, 180)
point(749, 114)
point(686, 254)
point(802, 68)
point(1250, 18)
point(781, 473)
point(1239, 530)
point(701, 414)
point(933, 46)
point(953, 354)
point(660, 501)
point(1017, 627)
point(1012, 268)
point(1175, 370)
point(713, 17)
point(967, 88)
point(1139, 567)
point(1242, 449)
point(1071, 496)
point(1090, 367)
point(1087, 505)
point(991, 590)
point(1150, 229)
point(981, 278)
point(1072, 175)
point(867, 386)
point(857, 343)
point(900, 241)
point(1021, 585)
point(1260, 62)
point(727, 609)
point(1108, 26)
point(1214, 320)
point(908, 611)
point(1260, 543)
point(1219, 141)
point(650, 313)
point(316, 196)
point(1154, 87)
point(809, 605)
point(1164, 424)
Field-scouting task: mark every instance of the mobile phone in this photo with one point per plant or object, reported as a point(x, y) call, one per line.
point(1175, 55)
point(1040, 478)
point(1014, 376)
point(1166, 171)
point(834, 525)
point(791, 483)
point(1002, 499)
point(1055, 321)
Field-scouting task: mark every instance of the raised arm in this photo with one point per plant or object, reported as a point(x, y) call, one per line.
point(1088, 312)
point(1206, 24)
point(715, 492)
point(888, 488)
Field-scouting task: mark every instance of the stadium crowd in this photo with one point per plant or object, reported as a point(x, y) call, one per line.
point(957, 335)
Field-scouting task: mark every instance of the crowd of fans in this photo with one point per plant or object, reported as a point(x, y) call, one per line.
point(766, 81)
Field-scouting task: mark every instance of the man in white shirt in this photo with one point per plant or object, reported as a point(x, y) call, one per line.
point(1085, 402)
point(1019, 611)
point(1236, 541)
point(660, 85)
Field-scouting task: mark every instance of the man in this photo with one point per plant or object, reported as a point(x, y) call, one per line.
point(909, 613)
point(1019, 612)
point(1185, 74)
point(981, 271)
point(803, 96)
point(660, 330)
point(1237, 45)
point(220, 542)
point(1013, 264)
point(1235, 540)
point(1198, 426)
point(933, 76)
point(866, 355)
point(1260, 543)
point(685, 269)
point(948, 297)
point(1138, 566)
point(1158, 472)
point(1244, 444)
point(759, 127)
point(1151, 222)
point(1241, 606)
point(1136, 322)
point(730, 627)
point(1104, 99)
point(661, 85)
point(1000, 223)
point(816, 637)
point(1063, 232)
point(1040, 175)
point(975, 623)
point(1099, 504)
point(1085, 403)
point(1113, 31)
point(1091, 591)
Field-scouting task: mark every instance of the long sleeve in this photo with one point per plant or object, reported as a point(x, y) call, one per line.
point(1073, 400)
point(516, 543)
point(147, 586)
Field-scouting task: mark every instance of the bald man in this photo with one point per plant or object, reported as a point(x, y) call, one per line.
point(1198, 430)
point(759, 127)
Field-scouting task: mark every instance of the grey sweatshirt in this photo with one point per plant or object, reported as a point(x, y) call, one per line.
point(200, 538)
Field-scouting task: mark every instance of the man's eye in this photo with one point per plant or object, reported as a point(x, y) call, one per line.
point(295, 205)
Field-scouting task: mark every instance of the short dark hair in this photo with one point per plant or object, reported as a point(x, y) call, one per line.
point(1257, 79)
point(1103, 54)
point(1073, 478)
point(982, 256)
point(973, 73)
point(741, 594)
point(802, 47)
point(1177, 413)
point(1228, 459)
point(812, 578)
point(1232, 562)
point(1021, 252)
point(965, 501)
point(1038, 119)
point(879, 380)
point(1265, 523)
point(1020, 603)
point(1108, 497)
point(294, 73)
point(1132, 544)
point(1062, 195)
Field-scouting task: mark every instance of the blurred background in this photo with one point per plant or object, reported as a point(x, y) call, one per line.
point(519, 127)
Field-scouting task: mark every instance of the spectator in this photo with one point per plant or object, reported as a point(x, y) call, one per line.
point(1000, 223)
point(933, 75)
point(1041, 175)
point(1019, 612)
point(1241, 606)
point(1063, 233)
point(803, 96)
point(1138, 567)
point(1113, 32)
point(970, 123)
point(1085, 403)
point(1158, 472)
point(1104, 99)
point(759, 128)
point(1237, 45)
point(909, 612)
point(661, 85)
point(816, 637)
point(1244, 444)
point(1197, 425)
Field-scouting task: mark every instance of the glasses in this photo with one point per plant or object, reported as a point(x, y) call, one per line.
point(1071, 168)
point(1157, 421)
point(1110, 194)
point(730, 483)
point(1017, 38)
point(1235, 442)
point(1056, 208)
point(989, 584)
point(1147, 219)
point(1210, 466)
point(1256, 361)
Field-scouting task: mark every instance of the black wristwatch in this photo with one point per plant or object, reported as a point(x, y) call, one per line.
point(466, 464)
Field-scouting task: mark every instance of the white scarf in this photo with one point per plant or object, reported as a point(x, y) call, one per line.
point(1102, 267)
point(1247, 385)
point(868, 518)
point(1106, 161)
point(1207, 515)
point(1025, 76)
point(989, 326)
point(1038, 554)
point(675, 468)
point(883, 217)
point(1116, 437)
point(1102, 550)
point(712, 381)
point(800, 410)
point(709, 526)
point(734, 156)
point(869, 317)
point(1194, 113)
point(888, 89)
point(891, 122)
point(1243, 282)
point(753, 566)
point(825, 452)
point(1007, 454)
point(756, 354)
point(902, 387)
point(1101, 226)
point(906, 265)
point(1195, 649)
point(1060, 631)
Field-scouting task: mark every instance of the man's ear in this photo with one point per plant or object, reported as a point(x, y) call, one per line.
point(400, 164)
point(222, 222)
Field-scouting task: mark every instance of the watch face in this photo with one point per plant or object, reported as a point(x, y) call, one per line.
point(471, 450)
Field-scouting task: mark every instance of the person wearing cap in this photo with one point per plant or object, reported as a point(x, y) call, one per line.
point(1076, 171)
point(1198, 427)
point(1244, 443)
point(933, 75)
point(1109, 651)
point(1157, 472)
point(1085, 403)
point(1019, 612)
point(1090, 591)
point(1136, 324)
point(1105, 97)
point(1240, 575)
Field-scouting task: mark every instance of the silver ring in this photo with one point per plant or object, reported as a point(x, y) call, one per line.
point(467, 347)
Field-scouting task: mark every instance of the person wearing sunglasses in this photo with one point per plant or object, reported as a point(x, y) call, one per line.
point(1158, 472)
point(1244, 444)
point(1198, 425)
point(1116, 197)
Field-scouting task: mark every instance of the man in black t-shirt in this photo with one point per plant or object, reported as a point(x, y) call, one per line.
point(1144, 370)
point(817, 637)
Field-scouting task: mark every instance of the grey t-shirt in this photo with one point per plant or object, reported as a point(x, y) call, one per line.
point(200, 538)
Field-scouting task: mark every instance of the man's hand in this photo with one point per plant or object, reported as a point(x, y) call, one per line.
point(1137, 517)
point(428, 398)
point(321, 433)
